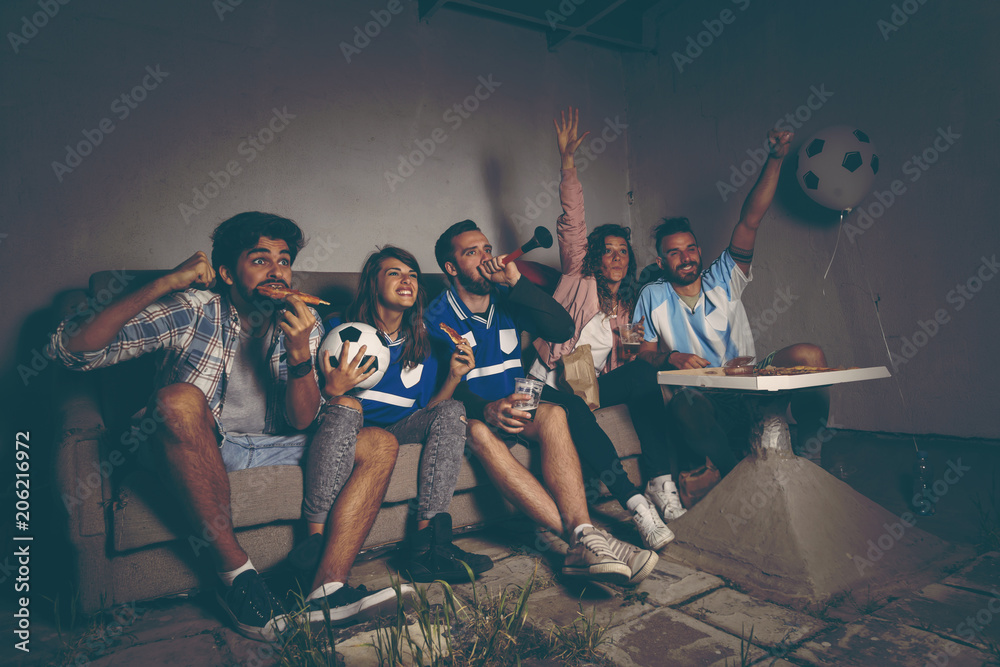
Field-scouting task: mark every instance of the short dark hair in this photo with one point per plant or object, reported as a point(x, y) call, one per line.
point(671, 226)
point(242, 231)
point(444, 250)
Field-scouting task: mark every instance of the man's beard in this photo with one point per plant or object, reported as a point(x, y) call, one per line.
point(479, 286)
point(673, 276)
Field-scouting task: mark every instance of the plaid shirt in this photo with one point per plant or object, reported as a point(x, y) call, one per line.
point(196, 332)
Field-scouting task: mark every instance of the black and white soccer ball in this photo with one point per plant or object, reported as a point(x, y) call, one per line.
point(358, 334)
point(837, 167)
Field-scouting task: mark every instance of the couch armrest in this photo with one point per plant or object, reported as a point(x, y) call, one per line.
point(84, 489)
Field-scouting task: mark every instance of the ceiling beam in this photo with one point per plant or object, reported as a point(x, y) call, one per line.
point(427, 8)
point(565, 35)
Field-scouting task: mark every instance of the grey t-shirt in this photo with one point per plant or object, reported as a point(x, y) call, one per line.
point(246, 390)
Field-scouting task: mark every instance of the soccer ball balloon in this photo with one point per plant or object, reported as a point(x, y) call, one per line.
point(837, 167)
point(358, 334)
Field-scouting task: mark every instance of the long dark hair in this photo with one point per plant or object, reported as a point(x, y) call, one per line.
point(364, 308)
point(592, 267)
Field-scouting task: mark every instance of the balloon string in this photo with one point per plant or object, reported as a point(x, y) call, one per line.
point(839, 232)
point(885, 340)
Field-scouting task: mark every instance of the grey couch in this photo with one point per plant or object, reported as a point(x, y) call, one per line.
point(130, 542)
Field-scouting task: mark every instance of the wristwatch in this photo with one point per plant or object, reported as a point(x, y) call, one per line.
point(300, 370)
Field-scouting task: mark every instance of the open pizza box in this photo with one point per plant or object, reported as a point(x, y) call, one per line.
point(717, 379)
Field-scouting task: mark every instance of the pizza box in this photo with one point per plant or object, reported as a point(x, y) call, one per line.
point(716, 378)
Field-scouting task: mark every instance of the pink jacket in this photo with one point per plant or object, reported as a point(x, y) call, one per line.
point(575, 292)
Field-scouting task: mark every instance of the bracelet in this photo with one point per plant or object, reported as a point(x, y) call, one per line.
point(300, 370)
point(668, 355)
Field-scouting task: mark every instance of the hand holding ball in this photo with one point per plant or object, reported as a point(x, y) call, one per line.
point(358, 334)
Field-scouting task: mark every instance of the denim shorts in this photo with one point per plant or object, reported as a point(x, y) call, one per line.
point(243, 450)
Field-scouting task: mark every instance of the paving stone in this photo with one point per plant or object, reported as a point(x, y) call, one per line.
point(736, 613)
point(671, 584)
point(183, 652)
point(608, 608)
point(168, 620)
point(477, 543)
point(983, 574)
point(958, 613)
point(514, 571)
point(359, 651)
point(669, 637)
point(881, 643)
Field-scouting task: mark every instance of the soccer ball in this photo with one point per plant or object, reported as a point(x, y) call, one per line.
point(837, 167)
point(358, 334)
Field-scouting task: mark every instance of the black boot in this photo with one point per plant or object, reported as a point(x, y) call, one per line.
point(432, 555)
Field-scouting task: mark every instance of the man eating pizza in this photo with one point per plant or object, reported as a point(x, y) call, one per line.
point(695, 319)
point(237, 388)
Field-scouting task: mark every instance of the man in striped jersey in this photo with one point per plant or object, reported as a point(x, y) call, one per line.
point(489, 304)
point(695, 319)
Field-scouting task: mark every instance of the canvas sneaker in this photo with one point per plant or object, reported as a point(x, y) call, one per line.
point(640, 561)
point(590, 556)
point(655, 534)
point(662, 492)
point(349, 605)
point(254, 611)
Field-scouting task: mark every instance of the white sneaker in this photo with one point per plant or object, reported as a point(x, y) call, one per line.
point(640, 561)
point(655, 534)
point(662, 492)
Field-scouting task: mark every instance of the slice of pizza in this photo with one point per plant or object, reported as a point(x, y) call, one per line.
point(452, 334)
point(273, 292)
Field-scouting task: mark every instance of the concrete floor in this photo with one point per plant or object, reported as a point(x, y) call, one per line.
point(679, 616)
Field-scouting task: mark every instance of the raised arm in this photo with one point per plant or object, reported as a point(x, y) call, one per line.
point(758, 201)
point(102, 330)
point(571, 228)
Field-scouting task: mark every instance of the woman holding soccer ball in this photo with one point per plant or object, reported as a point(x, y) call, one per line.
point(404, 403)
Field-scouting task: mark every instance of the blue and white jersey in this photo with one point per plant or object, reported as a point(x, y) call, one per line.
point(493, 335)
point(400, 392)
point(717, 329)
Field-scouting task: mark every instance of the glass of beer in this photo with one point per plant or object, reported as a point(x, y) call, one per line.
point(631, 339)
point(531, 388)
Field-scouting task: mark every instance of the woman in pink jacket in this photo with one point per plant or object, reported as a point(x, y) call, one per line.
point(598, 288)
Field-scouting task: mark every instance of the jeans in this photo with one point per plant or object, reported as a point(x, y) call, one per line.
point(442, 429)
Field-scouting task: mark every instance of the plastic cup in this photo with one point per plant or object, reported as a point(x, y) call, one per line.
point(631, 339)
point(531, 387)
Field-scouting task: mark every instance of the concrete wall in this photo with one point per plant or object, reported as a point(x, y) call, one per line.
point(348, 123)
point(321, 159)
point(692, 121)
